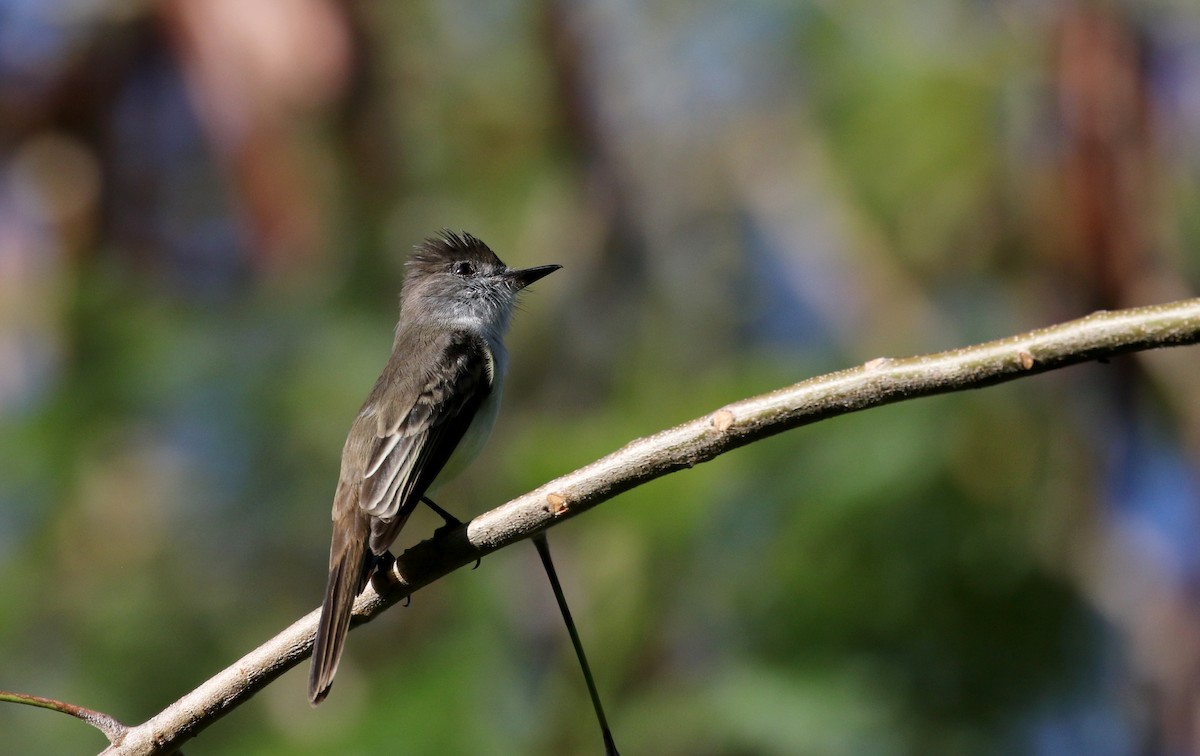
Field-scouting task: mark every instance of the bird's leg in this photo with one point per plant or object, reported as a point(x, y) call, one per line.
point(543, 547)
point(382, 562)
point(375, 564)
point(378, 566)
point(450, 522)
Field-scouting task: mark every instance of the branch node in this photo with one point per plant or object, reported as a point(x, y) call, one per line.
point(556, 504)
point(721, 420)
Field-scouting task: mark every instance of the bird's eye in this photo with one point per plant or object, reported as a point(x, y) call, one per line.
point(463, 268)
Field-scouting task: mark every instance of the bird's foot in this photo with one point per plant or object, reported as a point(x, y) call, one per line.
point(450, 522)
point(383, 564)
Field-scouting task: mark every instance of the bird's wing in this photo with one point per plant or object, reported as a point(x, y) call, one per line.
point(414, 444)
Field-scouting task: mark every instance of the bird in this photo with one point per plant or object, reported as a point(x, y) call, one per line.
point(427, 417)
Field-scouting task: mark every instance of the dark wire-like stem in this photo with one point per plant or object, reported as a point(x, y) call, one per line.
point(543, 548)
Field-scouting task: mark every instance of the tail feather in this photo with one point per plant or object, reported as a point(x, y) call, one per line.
point(347, 577)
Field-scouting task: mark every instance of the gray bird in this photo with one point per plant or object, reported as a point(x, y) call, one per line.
point(427, 417)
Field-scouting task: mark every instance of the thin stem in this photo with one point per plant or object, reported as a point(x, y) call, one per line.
point(543, 548)
point(112, 729)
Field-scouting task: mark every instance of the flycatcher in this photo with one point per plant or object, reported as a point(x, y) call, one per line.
point(427, 417)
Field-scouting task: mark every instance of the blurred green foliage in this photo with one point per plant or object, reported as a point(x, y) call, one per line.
point(906, 580)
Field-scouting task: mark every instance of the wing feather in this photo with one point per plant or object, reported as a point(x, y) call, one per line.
point(379, 455)
point(406, 460)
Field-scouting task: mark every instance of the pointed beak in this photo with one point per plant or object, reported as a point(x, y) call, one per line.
point(525, 276)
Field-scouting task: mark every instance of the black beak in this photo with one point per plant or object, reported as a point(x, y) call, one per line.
point(525, 276)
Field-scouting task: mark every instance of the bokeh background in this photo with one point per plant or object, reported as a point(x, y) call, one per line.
point(204, 210)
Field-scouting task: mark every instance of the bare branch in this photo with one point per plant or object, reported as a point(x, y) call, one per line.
point(880, 381)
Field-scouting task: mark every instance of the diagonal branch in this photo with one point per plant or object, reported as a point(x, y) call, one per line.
point(878, 382)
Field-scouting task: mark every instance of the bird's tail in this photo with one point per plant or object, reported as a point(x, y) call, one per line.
point(348, 568)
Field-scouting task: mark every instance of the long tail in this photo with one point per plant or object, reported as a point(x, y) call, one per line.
point(347, 577)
